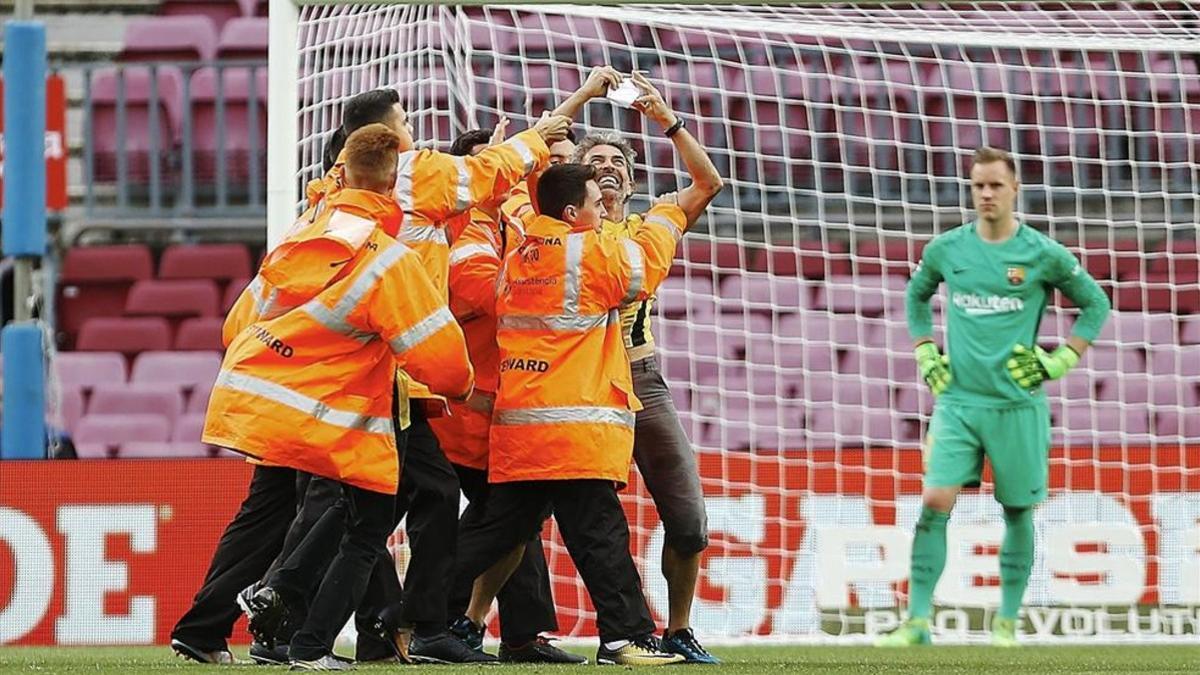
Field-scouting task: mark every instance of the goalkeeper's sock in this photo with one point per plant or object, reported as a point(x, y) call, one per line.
point(1016, 559)
point(928, 561)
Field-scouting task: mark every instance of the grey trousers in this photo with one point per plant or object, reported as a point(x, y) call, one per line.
point(667, 462)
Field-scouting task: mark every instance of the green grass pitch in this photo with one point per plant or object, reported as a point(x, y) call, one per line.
point(755, 659)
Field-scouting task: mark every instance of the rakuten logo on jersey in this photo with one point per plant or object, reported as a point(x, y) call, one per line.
point(987, 304)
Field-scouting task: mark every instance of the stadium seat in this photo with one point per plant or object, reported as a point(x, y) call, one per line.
point(125, 334)
point(86, 370)
point(189, 427)
point(1157, 292)
point(895, 257)
point(186, 371)
point(763, 294)
point(95, 281)
point(809, 259)
point(244, 93)
point(1137, 328)
point(876, 102)
point(200, 334)
point(967, 105)
point(157, 399)
point(705, 256)
point(145, 95)
point(161, 450)
point(232, 290)
point(1170, 425)
point(172, 298)
point(221, 262)
point(1181, 361)
point(867, 296)
point(70, 408)
point(197, 402)
point(110, 431)
point(686, 297)
point(217, 11)
point(169, 38)
point(243, 39)
point(1116, 360)
point(1189, 331)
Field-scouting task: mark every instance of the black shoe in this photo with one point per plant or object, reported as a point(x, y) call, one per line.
point(468, 632)
point(266, 612)
point(274, 656)
point(538, 650)
point(445, 647)
point(187, 651)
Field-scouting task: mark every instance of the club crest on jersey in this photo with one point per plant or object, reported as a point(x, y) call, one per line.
point(1016, 275)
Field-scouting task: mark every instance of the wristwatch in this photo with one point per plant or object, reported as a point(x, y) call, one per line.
point(674, 128)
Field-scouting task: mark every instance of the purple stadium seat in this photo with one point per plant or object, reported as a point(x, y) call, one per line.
point(85, 370)
point(93, 450)
point(254, 7)
point(913, 400)
point(968, 106)
point(172, 298)
point(1172, 424)
point(124, 334)
point(243, 39)
point(232, 291)
point(167, 450)
point(157, 399)
point(1189, 331)
point(1183, 360)
point(867, 296)
point(113, 430)
point(1120, 359)
point(169, 38)
point(1078, 385)
point(144, 142)
point(205, 261)
point(217, 11)
point(189, 427)
point(95, 281)
point(1132, 329)
point(892, 257)
point(184, 370)
point(198, 401)
point(809, 259)
point(762, 293)
point(245, 93)
point(200, 334)
point(875, 101)
point(687, 297)
point(70, 407)
point(562, 34)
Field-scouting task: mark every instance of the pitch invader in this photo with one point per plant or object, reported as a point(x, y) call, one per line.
point(1000, 274)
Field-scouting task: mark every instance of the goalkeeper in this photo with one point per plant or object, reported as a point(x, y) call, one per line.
point(1000, 274)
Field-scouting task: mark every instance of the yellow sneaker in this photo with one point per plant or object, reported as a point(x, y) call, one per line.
point(911, 633)
point(643, 651)
point(1004, 632)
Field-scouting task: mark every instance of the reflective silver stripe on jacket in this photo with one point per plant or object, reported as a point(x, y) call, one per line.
point(336, 318)
point(423, 233)
point(574, 270)
point(671, 227)
point(553, 322)
point(467, 251)
point(462, 191)
point(637, 274)
point(307, 405)
point(565, 415)
point(524, 151)
point(404, 180)
point(422, 330)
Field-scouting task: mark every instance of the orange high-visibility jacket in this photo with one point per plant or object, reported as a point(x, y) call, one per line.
point(308, 381)
point(565, 406)
point(433, 187)
point(474, 266)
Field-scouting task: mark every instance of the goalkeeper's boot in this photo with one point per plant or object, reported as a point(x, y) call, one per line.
point(642, 651)
point(684, 643)
point(468, 632)
point(1004, 632)
point(912, 633)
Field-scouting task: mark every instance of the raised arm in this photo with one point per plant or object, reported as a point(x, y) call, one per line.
point(598, 82)
point(706, 182)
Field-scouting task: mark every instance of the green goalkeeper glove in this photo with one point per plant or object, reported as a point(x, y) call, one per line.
point(934, 367)
point(1032, 367)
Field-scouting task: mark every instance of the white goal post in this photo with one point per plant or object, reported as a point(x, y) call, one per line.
point(843, 131)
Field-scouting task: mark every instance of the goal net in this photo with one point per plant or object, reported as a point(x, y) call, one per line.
point(845, 133)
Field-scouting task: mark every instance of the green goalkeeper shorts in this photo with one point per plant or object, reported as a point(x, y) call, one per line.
point(1015, 440)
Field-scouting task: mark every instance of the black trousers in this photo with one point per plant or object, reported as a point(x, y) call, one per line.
point(317, 495)
point(593, 527)
point(246, 548)
point(368, 523)
point(526, 602)
point(429, 496)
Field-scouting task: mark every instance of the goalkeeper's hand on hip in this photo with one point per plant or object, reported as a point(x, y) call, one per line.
point(934, 367)
point(1030, 367)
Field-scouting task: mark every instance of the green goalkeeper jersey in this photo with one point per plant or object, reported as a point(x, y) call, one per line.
point(997, 293)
